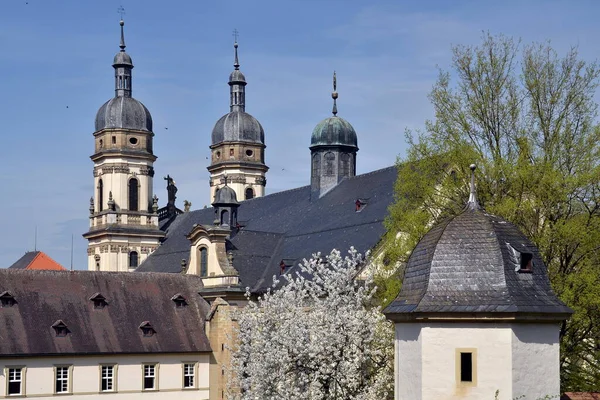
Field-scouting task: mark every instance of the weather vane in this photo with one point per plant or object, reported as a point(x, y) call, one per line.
point(235, 34)
point(121, 11)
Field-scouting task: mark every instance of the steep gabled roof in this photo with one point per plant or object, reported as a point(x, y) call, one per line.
point(45, 297)
point(37, 260)
point(288, 225)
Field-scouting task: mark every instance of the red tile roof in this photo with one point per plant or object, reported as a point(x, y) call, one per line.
point(37, 260)
point(580, 396)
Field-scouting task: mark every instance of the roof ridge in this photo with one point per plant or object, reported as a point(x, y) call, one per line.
point(372, 172)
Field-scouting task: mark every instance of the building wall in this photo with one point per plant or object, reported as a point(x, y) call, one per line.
point(221, 334)
point(408, 362)
point(438, 344)
point(85, 376)
point(536, 360)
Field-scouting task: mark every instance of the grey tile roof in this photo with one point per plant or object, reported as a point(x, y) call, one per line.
point(44, 297)
point(24, 261)
point(287, 225)
point(463, 265)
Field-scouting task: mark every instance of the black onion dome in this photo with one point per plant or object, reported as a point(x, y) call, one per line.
point(125, 113)
point(238, 126)
point(225, 196)
point(334, 131)
point(470, 264)
point(237, 77)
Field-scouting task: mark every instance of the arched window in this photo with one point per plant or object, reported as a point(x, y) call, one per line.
point(345, 164)
point(133, 259)
point(203, 261)
point(329, 160)
point(100, 195)
point(225, 217)
point(249, 193)
point(133, 195)
point(316, 165)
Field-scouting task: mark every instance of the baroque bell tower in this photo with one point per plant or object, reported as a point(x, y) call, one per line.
point(238, 145)
point(123, 213)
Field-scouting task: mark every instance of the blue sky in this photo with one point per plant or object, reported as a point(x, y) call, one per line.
point(55, 72)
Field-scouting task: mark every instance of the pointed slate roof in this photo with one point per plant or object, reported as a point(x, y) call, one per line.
point(37, 260)
point(472, 264)
point(288, 226)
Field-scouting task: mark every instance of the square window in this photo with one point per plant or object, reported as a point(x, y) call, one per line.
point(62, 380)
point(15, 381)
point(107, 378)
point(150, 377)
point(189, 375)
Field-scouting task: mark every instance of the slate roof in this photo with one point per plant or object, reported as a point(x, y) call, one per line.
point(45, 297)
point(464, 265)
point(288, 226)
point(37, 260)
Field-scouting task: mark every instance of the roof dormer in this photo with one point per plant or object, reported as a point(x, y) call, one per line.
point(60, 328)
point(147, 329)
point(7, 299)
point(179, 300)
point(99, 301)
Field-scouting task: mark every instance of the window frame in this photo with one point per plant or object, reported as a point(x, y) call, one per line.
point(113, 378)
point(457, 367)
point(155, 376)
point(194, 375)
point(133, 183)
point(203, 266)
point(23, 373)
point(69, 378)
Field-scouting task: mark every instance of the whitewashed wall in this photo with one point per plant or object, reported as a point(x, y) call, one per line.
point(512, 358)
point(39, 379)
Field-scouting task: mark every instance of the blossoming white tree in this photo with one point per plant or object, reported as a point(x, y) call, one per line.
point(314, 336)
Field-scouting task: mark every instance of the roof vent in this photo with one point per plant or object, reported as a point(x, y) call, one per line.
point(99, 301)
point(179, 300)
point(60, 328)
point(147, 329)
point(7, 299)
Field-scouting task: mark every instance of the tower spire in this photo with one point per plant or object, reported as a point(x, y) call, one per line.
point(334, 95)
point(236, 63)
point(122, 44)
point(473, 204)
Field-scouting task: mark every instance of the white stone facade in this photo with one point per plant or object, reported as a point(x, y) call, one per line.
point(518, 359)
point(84, 377)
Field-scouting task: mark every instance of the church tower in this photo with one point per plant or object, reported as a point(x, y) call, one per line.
point(123, 213)
point(333, 147)
point(238, 145)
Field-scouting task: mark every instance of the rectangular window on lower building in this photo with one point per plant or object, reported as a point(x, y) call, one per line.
point(15, 381)
point(150, 377)
point(107, 378)
point(466, 367)
point(189, 375)
point(61, 379)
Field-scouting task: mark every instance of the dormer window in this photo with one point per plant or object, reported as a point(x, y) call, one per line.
point(99, 301)
point(7, 299)
point(522, 261)
point(359, 204)
point(60, 328)
point(179, 300)
point(147, 329)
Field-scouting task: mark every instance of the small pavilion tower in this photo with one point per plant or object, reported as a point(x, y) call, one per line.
point(123, 219)
point(238, 145)
point(476, 314)
point(333, 147)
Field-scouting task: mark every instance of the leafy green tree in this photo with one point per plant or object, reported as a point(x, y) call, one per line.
point(526, 117)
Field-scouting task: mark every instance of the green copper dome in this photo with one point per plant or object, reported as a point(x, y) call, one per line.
point(333, 131)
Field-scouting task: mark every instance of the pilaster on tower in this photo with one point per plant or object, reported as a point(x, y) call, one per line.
point(123, 220)
point(238, 144)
